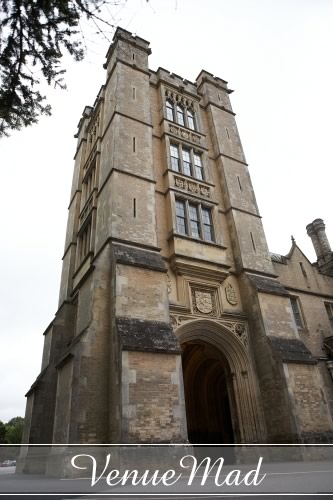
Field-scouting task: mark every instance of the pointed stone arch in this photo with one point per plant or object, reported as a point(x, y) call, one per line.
point(247, 416)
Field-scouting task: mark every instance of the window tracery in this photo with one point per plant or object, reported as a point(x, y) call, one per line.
point(180, 109)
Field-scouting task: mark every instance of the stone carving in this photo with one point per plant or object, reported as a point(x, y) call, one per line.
point(177, 320)
point(238, 329)
point(181, 183)
point(204, 191)
point(204, 302)
point(196, 138)
point(231, 295)
point(191, 136)
point(235, 327)
point(174, 321)
point(169, 283)
point(174, 130)
point(193, 187)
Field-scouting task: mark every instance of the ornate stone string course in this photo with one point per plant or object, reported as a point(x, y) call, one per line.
point(192, 186)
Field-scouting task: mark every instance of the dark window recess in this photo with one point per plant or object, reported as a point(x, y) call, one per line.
point(329, 310)
point(296, 313)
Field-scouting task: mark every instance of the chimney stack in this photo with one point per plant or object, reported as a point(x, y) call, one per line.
point(313, 235)
point(317, 233)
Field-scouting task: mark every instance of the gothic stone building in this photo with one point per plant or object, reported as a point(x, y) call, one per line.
point(175, 323)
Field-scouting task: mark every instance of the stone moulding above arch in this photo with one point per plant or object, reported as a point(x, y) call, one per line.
point(238, 329)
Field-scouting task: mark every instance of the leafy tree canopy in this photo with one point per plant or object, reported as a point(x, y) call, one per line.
point(33, 36)
point(2, 433)
point(11, 432)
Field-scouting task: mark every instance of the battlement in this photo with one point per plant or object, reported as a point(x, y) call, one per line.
point(165, 76)
point(126, 36)
point(205, 76)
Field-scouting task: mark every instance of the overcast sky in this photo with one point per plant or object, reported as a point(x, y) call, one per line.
point(275, 54)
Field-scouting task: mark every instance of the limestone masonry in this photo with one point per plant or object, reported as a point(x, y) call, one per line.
point(175, 322)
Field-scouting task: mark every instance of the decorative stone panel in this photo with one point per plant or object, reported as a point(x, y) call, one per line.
point(231, 295)
point(181, 133)
point(204, 301)
point(237, 328)
point(193, 187)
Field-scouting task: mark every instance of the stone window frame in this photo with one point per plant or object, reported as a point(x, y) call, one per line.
point(190, 110)
point(84, 241)
point(200, 206)
point(92, 132)
point(179, 113)
point(297, 312)
point(88, 184)
point(329, 311)
point(192, 152)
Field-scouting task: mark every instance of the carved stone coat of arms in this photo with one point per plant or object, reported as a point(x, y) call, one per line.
point(203, 302)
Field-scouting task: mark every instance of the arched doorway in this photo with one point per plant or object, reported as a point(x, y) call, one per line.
point(219, 376)
point(207, 394)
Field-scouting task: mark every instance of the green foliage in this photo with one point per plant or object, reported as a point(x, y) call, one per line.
point(2, 433)
point(33, 37)
point(11, 432)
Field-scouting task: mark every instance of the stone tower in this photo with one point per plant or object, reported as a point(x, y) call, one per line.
point(172, 324)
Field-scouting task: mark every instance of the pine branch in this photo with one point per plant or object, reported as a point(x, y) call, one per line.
point(34, 34)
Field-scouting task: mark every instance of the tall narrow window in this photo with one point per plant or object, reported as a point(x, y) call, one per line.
point(174, 154)
point(190, 119)
point(303, 270)
point(181, 217)
point(88, 185)
point(207, 224)
point(180, 115)
point(169, 111)
point(133, 93)
point(187, 167)
point(84, 242)
point(198, 167)
point(134, 145)
point(329, 310)
point(296, 313)
point(194, 220)
point(253, 244)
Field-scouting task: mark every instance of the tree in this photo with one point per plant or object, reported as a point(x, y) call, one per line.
point(33, 36)
point(14, 430)
point(2, 433)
